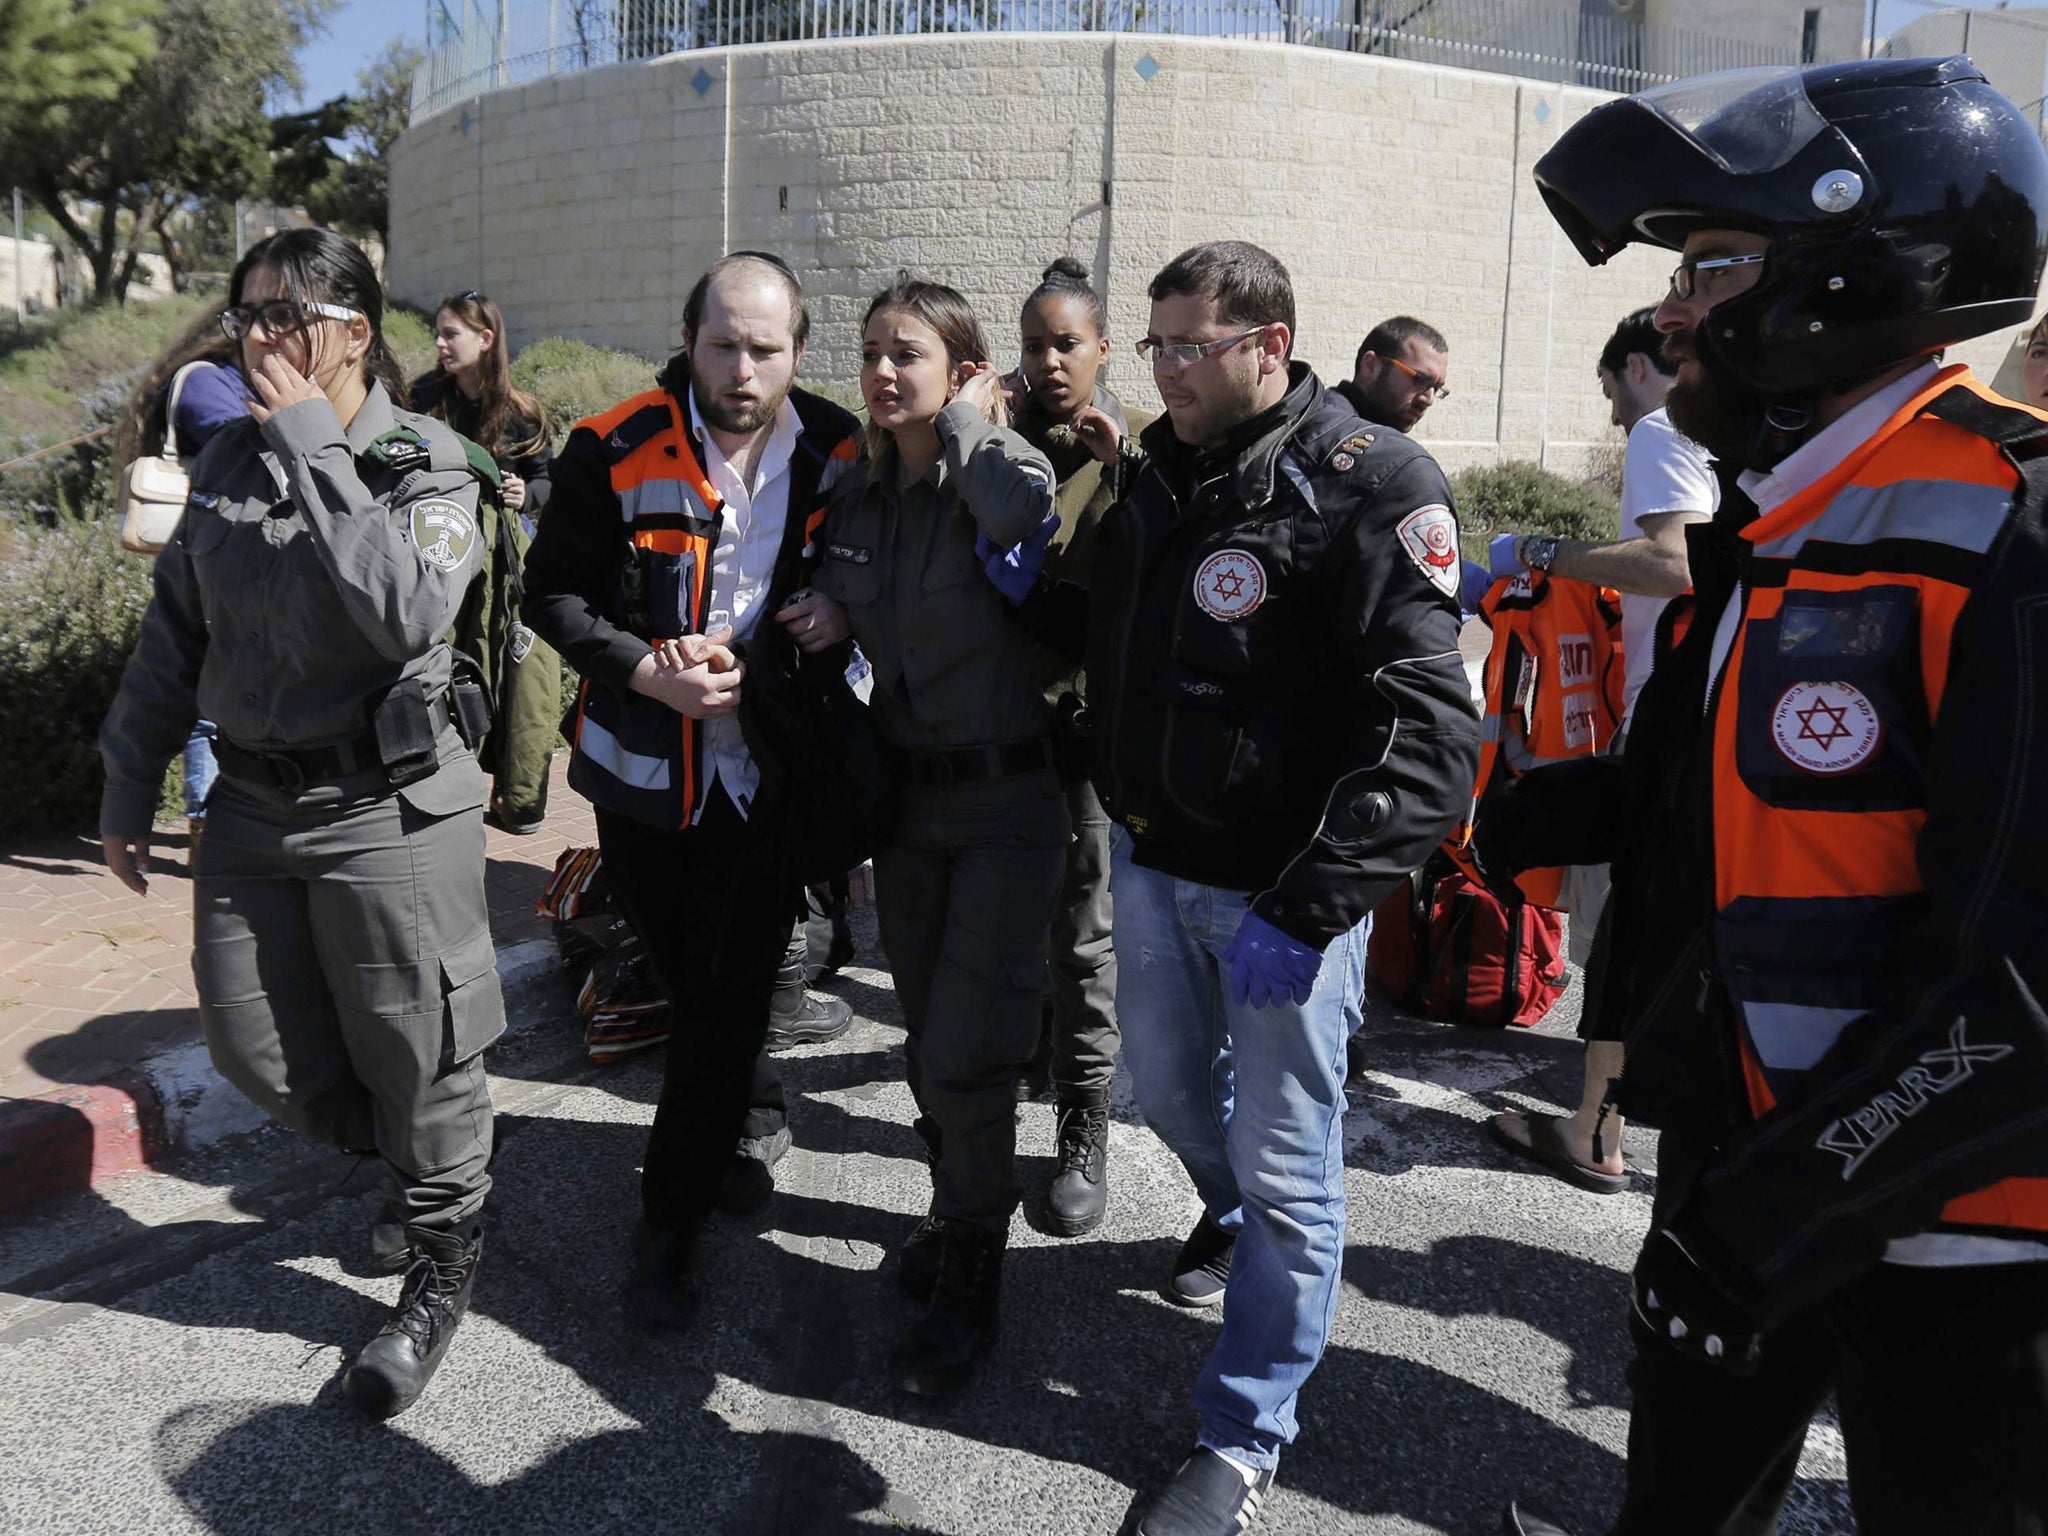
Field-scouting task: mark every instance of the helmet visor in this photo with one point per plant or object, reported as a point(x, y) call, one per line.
point(1746, 121)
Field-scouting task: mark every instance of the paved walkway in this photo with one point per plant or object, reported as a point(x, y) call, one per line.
point(94, 979)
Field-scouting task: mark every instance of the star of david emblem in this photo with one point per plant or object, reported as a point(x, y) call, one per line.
point(1823, 723)
point(1229, 584)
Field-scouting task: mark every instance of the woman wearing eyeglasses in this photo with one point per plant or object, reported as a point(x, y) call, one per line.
point(341, 944)
point(965, 893)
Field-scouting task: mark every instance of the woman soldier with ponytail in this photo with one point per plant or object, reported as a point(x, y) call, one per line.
point(1065, 345)
point(341, 944)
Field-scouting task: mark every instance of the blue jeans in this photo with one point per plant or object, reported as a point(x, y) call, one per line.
point(1251, 1100)
point(200, 768)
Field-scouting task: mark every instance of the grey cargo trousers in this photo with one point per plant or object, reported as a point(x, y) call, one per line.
point(347, 981)
point(965, 897)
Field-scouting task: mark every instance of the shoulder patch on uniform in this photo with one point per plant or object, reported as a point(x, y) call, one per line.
point(442, 531)
point(1430, 537)
point(401, 448)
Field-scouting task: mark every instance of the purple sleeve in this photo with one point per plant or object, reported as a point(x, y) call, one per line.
point(212, 397)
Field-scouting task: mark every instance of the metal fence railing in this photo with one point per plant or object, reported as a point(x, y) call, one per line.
point(516, 41)
point(2011, 50)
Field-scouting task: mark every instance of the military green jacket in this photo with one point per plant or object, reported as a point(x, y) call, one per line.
point(307, 576)
point(524, 675)
point(1084, 498)
point(952, 666)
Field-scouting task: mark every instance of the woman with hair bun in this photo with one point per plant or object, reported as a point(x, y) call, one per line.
point(1054, 394)
point(341, 944)
point(965, 891)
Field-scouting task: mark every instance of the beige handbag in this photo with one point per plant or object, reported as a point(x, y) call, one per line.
point(154, 488)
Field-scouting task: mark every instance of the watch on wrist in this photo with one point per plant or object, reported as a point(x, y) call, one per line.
point(1537, 552)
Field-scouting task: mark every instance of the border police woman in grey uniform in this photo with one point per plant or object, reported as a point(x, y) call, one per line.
point(341, 944)
point(965, 891)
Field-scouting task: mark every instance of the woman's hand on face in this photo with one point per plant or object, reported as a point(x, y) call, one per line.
point(1097, 432)
point(278, 386)
point(515, 493)
point(814, 621)
point(982, 389)
point(128, 859)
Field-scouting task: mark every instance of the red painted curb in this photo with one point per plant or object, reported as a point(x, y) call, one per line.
point(72, 1138)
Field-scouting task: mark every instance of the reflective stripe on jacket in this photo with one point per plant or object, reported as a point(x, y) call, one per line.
point(1554, 686)
point(632, 754)
point(1831, 692)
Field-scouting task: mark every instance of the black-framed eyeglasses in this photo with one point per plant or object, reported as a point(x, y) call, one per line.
point(1685, 276)
point(280, 317)
point(1178, 354)
point(1436, 388)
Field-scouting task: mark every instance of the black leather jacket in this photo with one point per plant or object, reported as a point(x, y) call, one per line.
point(1278, 704)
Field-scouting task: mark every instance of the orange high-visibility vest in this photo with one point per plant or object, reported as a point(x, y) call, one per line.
point(1554, 685)
point(631, 753)
point(1831, 691)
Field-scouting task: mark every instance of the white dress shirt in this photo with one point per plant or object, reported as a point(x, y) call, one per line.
point(741, 564)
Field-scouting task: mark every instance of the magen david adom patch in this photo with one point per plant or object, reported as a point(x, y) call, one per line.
point(442, 531)
point(1430, 535)
point(1826, 727)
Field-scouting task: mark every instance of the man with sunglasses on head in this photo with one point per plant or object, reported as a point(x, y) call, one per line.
point(1829, 827)
point(1402, 369)
point(1282, 731)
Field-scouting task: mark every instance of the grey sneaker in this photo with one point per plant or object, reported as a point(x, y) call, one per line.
point(1201, 1270)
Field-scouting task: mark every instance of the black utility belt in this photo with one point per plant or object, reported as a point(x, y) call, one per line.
point(398, 750)
point(978, 765)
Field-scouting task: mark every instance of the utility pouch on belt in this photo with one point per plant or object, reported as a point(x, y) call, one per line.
point(404, 725)
point(470, 694)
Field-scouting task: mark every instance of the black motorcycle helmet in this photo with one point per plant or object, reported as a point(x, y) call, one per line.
point(1905, 200)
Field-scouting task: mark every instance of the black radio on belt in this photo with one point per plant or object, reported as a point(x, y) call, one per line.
point(469, 694)
point(405, 726)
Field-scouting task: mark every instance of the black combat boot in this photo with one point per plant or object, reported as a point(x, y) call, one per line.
point(1080, 1189)
point(794, 1016)
point(938, 1356)
point(917, 1261)
point(395, 1366)
point(390, 1243)
point(661, 1293)
point(828, 936)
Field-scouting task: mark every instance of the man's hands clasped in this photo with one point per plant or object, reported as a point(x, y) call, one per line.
point(697, 675)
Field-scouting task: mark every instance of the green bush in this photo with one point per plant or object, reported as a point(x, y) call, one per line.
point(410, 335)
point(1520, 497)
point(71, 601)
point(573, 379)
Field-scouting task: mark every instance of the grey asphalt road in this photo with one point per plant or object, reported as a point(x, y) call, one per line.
point(171, 1348)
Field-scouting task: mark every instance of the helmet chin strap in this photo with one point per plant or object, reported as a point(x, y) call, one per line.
point(1781, 425)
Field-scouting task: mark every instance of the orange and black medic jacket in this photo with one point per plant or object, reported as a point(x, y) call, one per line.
point(1830, 892)
point(622, 561)
point(1554, 686)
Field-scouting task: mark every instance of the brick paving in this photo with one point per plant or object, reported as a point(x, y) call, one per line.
point(94, 979)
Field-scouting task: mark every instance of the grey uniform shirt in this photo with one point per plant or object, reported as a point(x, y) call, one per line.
point(306, 577)
point(952, 667)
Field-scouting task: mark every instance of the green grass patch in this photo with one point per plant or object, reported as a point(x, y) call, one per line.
point(573, 379)
point(1521, 497)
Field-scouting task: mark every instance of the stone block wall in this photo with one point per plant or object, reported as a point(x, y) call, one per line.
point(586, 204)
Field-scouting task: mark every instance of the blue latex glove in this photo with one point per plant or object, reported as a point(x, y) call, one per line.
point(1500, 556)
point(1014, 571)
point(1267, 967)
